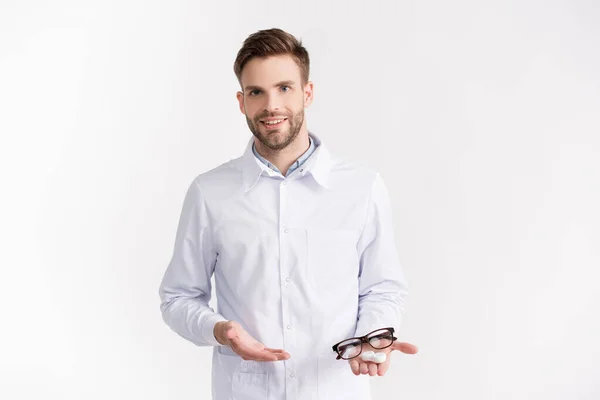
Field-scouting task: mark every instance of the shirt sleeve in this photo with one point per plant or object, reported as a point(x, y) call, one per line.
point(382, 285)
point(185, 289)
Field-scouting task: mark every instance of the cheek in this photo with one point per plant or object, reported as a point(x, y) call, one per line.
point(251, 113)
point(295, 108)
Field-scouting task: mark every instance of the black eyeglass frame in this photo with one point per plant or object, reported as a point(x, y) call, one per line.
point(363, 339)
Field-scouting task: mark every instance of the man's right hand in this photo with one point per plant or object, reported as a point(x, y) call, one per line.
point(231, 333)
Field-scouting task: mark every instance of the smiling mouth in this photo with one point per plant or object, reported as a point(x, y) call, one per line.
point(274, 124)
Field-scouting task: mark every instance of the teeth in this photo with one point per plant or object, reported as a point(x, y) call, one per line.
point(273, 122)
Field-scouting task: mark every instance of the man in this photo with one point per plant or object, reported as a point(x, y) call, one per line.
point(301, 245)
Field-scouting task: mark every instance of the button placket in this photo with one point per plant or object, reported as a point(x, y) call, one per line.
point(288, 334)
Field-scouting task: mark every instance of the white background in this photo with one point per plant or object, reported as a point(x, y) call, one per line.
point(483, 118)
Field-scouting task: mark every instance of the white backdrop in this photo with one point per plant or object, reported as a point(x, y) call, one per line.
point(483, 118)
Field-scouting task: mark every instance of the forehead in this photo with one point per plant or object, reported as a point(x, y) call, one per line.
point(268, 71)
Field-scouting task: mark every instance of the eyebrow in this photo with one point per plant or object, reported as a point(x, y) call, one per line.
point(282, 83)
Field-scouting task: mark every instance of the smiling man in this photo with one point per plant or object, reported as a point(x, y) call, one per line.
point(275, 113)
point(301, 246)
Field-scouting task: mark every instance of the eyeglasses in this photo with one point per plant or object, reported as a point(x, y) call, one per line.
point(350, 348)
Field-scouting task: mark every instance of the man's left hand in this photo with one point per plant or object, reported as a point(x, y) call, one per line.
point(359, 366)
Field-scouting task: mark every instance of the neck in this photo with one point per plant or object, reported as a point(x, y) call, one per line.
point(284, 158)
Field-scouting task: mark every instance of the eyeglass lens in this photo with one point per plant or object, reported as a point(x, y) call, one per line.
point(352, 347)
point(380, 339)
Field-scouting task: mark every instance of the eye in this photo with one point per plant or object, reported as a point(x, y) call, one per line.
point(254, 92)
point(286, 87)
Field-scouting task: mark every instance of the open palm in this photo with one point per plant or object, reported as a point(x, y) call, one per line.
point(247, 347)
point(359, 366)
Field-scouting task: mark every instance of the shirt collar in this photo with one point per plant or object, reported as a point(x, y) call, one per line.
point(296, 163)
point(318, 165)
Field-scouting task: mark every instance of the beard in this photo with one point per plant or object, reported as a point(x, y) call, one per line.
point(278, 138)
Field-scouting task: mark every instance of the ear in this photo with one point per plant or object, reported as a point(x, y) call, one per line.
point(240, 98)
point(308, 94)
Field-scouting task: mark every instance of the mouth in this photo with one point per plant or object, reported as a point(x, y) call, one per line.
point(273, 123)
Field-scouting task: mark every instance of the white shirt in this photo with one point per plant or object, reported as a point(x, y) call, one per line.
point(301, 262)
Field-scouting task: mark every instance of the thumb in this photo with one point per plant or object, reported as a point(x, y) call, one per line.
point(231, 332)
point(405, 348)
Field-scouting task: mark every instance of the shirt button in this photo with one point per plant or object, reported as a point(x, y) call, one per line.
point(284, 183)
point(287, 279)
point(285, 231)
point(292, 376)
point(302, 170)
point(289, 327)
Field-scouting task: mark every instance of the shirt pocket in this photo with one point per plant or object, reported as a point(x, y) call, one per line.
point(250, 386)
point(332, 259)
point(249, 379)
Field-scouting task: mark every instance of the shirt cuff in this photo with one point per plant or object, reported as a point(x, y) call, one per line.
point(369, 323)
point(208, 329)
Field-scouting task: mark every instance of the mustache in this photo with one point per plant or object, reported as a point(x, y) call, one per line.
point(271, 115)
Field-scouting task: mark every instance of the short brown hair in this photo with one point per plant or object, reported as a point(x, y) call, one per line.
point(272, 42)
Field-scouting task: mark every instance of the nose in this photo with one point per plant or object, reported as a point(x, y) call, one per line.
point(271, 103)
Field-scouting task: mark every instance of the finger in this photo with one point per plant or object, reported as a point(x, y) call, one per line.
point(372, 369)
point(383, 368)
point(355, 367)
point(274, 350)
point(406, 348)
point(363, 368)
point(266, 356)
point(282, 356)
point(279, 353)
point(255, 354)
